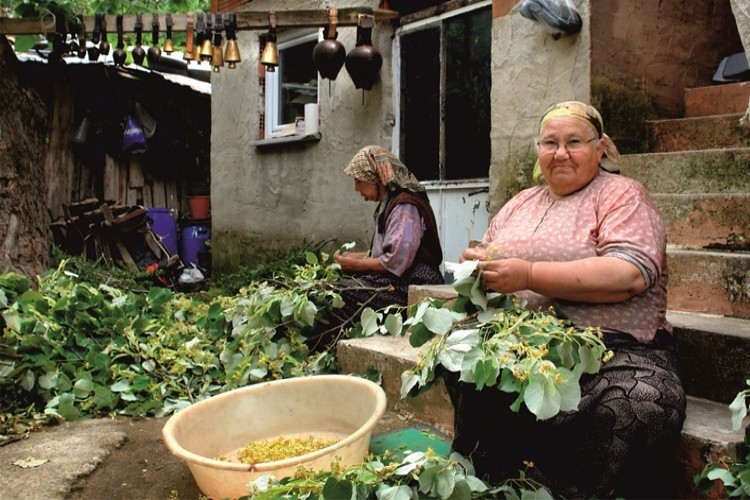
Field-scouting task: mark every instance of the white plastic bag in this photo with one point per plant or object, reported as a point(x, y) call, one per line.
point(559, 17)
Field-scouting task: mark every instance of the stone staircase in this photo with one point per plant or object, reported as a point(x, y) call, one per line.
point(699, 176)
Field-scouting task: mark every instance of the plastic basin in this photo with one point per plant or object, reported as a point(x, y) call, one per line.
point(341, 406)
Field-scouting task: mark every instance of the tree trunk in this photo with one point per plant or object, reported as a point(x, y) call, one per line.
point(25, 239)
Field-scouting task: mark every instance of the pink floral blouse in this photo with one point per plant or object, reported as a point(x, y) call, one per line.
point(612, 216)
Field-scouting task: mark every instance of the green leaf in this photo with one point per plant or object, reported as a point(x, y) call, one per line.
point(308, 312)
point(420, 335)
point(369, 320)
point(540, 400)
point(485, 373)
point(722, 475)
point(82, 388)
point(456, 345)
point(67, 409)
point(478, 297)
point(28, 380)
point(462, 270)
point(395, 492)
point(120, 386)
point(48, 380)
point(738, 410)
point(446, 483)
point(438, 321)
point(393, 324)
point(590, 363)
point(428, 479)
point(409, 380)
point(311, 258)
point(335, 488)
point(570, 391)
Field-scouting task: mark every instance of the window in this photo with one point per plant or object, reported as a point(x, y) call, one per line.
point(293, 84)
point(445, 79)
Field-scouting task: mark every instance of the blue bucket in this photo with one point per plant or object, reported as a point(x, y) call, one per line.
point(193, 239)
point(163, 224)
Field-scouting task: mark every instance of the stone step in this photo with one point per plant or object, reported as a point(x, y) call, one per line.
point(714, 354)
point(711, 282)
point(717, 99)
point(719, 221)
point(706, 433)
point(710, 171)
point(698, 133)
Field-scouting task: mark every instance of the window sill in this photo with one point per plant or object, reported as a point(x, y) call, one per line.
point(292, 139)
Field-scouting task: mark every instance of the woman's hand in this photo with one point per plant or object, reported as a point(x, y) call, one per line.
point(476, 253)
point(507, 275)
point(352, 262)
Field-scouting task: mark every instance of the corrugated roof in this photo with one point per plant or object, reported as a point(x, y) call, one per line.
point(203, 71)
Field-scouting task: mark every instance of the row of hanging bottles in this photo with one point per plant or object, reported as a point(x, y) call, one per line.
point(205, 35)
point(204, 40)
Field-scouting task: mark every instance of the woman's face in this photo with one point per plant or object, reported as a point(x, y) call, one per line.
point(569, 155)
point(370, 192)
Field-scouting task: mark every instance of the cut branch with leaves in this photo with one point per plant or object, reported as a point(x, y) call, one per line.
point(493, 340)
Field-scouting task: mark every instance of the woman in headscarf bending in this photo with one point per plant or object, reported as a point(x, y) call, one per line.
point(405, 248)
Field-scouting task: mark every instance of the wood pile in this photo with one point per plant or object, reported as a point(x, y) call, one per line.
point(110, 231)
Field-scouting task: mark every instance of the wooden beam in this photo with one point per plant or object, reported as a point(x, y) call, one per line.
point(246, 20)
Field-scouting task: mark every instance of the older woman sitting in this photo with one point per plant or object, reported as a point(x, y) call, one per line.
point(591, 244)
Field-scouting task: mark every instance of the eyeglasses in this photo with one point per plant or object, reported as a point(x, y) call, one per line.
point(571, 145)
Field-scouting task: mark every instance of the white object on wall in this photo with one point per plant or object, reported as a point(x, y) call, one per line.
point(311, 119)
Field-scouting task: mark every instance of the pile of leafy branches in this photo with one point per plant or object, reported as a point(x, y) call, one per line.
point(492, 340)
point(396, 476)
point(71, 349)
point(734, 475)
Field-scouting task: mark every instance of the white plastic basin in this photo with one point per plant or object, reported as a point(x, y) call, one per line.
point(341, 406)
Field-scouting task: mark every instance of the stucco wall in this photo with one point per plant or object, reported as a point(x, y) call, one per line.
point(662, 47)
point(292, 193)
point(530, 71)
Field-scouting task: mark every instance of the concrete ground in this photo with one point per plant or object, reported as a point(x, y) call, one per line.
point(114, 459)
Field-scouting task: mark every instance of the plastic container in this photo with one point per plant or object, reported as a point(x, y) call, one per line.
point(162, 222)
point(200, 206)
point(193, 241)
point(322, 405)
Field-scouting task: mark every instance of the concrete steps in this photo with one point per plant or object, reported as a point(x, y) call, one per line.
point(704, 198)
point(698, 133)
point(717, 99)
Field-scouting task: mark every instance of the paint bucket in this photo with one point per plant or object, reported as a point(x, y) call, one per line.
point(193, 239)
point(162, 223)
point(200, 206)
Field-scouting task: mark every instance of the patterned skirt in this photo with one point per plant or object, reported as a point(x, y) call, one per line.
point(620, 442)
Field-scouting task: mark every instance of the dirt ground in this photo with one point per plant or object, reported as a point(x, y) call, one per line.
point(143, 468)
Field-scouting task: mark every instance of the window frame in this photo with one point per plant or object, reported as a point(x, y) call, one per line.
point(272, 88)
point(407, 28)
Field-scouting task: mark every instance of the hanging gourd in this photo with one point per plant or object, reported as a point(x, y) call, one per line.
point(119, 54)
point(154, 52)
point(364, 61)
point(139, 53)
point(329, 54)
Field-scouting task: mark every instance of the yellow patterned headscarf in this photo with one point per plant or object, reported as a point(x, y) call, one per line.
point(375, 164)
point(593, 119)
